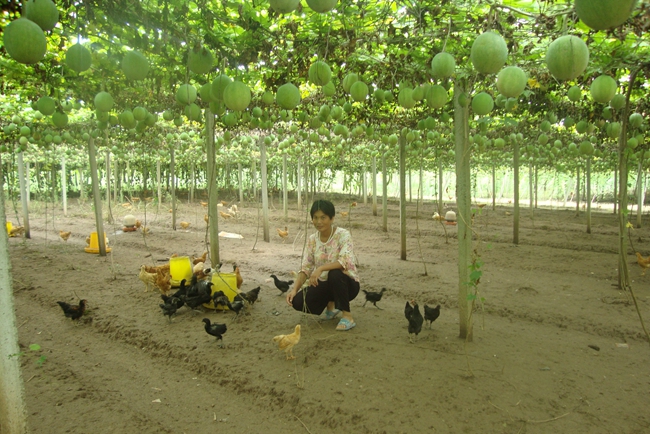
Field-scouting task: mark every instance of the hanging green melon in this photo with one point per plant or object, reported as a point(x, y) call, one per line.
point(46, 105)
point(24, 41)
point(217, 107)
point(168, 115)
point(512, 81)
point(200, 60)
point(320, 73)
point(482, 103)
point(186, 94)
point(613, 130)
point(443, 65)
point(78, 58)
point(618, 102)
point(567, 57)
point(322, 6)
point(586, 148)
point(437, 96)
point(418, 93)
point(60, 119)
point(218, 86)
point(405, 97)
point(42, 12)
point(127, 120)
point(348, 80)
point(359, 91)
point(636, 120)
point(288, 96)
point(284, 6)
point(193, 112)
point(329, 89)
point(140, 113)
point(206, 93)
point(604, 14)
point(489, 53)
point(603, 89)
point(574, 94)
point(378, 95)
point(581, 127)
point(135, 66)
point(237, 96)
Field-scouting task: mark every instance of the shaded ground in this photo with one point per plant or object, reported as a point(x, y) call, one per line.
point(530, 368)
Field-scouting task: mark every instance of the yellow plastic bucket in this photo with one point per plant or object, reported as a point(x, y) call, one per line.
point(94, 243)
point(180, 267)
point(226, 282)
point(9, 227)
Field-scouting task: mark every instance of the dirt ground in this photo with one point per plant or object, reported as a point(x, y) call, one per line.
point(557, 348)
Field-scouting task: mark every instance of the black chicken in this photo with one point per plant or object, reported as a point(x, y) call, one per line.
point(236, 306)
point(431, 313)
point(373, 297)
point(71, 311)
point(219, 299)
point(415, 322)
point(250, 296)
point(170, 305)
point(203, 295)
point(216, 330)
point(182, 290)
point(281, 284)
point(408, 309)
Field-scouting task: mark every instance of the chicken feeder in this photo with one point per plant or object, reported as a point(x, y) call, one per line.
point(93, 247)
point(180, 267)
point(226, 282)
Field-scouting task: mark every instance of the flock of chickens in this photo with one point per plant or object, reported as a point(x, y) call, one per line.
point(411, 312)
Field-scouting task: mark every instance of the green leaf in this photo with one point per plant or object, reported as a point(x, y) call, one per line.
point(34, 347)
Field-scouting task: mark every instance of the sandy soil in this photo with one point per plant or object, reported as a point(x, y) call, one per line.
point(557, 348)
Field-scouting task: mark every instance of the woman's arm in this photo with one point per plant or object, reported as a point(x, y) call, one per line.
point(300, 279)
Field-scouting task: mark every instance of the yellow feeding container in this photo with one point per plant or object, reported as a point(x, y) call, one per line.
point(180, 267)
point(9, 227)
point(226, 282)
point(93, 247)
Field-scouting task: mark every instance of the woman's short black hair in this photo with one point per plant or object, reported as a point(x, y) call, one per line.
point(324, 205)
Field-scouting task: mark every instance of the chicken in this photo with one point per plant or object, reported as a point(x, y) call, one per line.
point(287, 342)
point(250, 296)
point(88, 240)
point(373, 297)
point(138, 224)
point(203, 295)
point(408, 309)
point(201, 258)
point(431, 314)
point(71, 311)
point(65, 235)
point(135, 199)
point(220, 299)
point(18, 230)
point(223, 203)
point(353, 204)
point(184, 225)
point(236, 306)
point(163, 282)
point(283, 233)
point(147, 278)
point(145, 230)
point(217, 330)
point(170, 306)
point(204, 204)
point(437, 217)
point(415, 322)
point(344, 213)
point(643, 262)
point(240, 280)
point(224, 215)
point(233, 210)
point(281, 284)
point(206, 218)
point(198, 268)
point(126, 205)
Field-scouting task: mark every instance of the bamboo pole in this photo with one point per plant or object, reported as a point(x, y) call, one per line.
point(13, 411)
point(640, 194)
point(213, 215)
point(24, 195)
point(463, 205)
point(265, 194)
point(159, 185)
point(384, 188)
point(402, 195)
point(97, 199)
point(298, 183)
point(285, 203)
point(374, 185)
point(64, 188)
point(172, 170)
point(588, 187)
point(515, 166)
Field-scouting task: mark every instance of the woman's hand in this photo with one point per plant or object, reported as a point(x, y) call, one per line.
point(290, 296)
point(313, 279)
